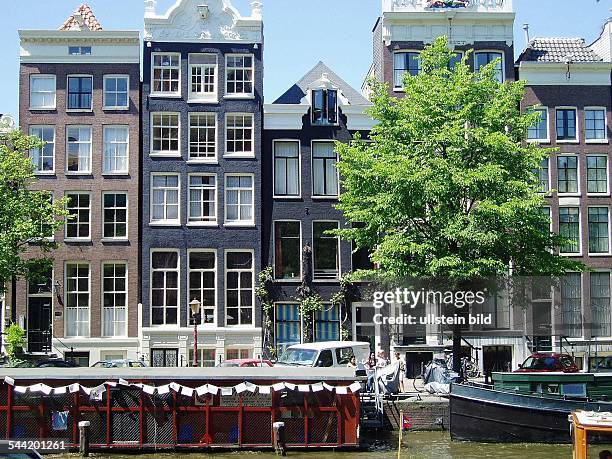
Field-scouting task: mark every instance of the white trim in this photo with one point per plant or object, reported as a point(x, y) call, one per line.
point(216, 287)
point(127, 217)
point(79, 110)
point(226, 154)
point(578, 171)
point(548, 122)
point(77, 262)
point(338, 257)
point(225, 189)
point(118, 107)
point(312, 172)
point(402, 51)
point(301, 274)
point(79, 142)
point(240, 95)
point(165, 222)
point(42, 127)
point(215, 158)
point(45, 76)
point(205, 97)
point(39, 295)
point(596, 141)
point(162, 153)
point(103, 263)
point(579, 252)
point(225, 271)
point(577, 127)
point(161, 94)
point(599, 254)
point(77, 238)
point(127, 149)
point(299, 159)
point(214, 222)
point(178, 289)
point(493, 50)
point(601, 155)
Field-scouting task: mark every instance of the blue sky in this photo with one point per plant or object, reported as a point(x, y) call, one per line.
point(298, 33)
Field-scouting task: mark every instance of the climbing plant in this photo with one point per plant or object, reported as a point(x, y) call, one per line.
point(15, 340)
point(265, 279)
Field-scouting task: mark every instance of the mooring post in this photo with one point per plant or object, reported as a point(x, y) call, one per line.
point(84, 438)
point(280, 445)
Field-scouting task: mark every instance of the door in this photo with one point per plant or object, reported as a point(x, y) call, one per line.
point(497, 358)
point(164, 357)
point(416, 361)
point(39, 324)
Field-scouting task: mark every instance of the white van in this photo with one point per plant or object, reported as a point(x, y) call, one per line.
point(324, 354)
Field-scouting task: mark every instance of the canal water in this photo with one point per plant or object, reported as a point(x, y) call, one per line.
point(416, 445)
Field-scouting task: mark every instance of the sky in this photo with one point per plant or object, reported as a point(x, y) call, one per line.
point(298, 33)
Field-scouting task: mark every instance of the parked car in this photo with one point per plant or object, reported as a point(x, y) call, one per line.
point(120, 363)
point(548, 361)
point(245, 363)
point(324, 354)
point(58, 363)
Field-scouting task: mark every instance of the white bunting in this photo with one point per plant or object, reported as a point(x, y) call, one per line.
point(96, 392)
point(251, 387)
point(45, 389)
point(212, 389)
point(355, 387)
point(148, 389)
point(202, 390)
point(265, 389)
point(139, 385)
point(186, 391)
point(317, 387)
point(341, 390)
point(328, 387)
point(175, 387)
point(162, 390)
point(123, 382)
point(303, 387)
point(74, 387)
point(225, 391)
point(278, 386)
point(21, 389)
point(10, 381)
point(87, 390)
point(290, 386)
point(34, 388)
point(60, 390)
point(240, 388)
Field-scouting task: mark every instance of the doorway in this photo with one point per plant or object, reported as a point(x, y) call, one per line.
point(497, 358)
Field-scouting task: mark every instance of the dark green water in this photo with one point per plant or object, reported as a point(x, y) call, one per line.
point(417, 445)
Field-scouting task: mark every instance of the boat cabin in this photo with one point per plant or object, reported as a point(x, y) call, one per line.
point(591, 434)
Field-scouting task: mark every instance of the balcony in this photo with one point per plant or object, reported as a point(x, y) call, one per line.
point(418, 6)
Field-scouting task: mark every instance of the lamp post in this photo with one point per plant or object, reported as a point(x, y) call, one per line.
point(195, 310)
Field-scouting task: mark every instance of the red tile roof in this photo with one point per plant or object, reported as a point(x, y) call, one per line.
point(87, 20)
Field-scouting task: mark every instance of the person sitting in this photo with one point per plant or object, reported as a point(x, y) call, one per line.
point(352, 363)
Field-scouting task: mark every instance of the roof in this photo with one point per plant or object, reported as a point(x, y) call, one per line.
point(83, 18)
point(296, 93)
point(558, 50)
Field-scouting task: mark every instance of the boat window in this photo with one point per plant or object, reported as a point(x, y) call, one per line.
point(574, 390)
point(298, 357)
point(325, 359)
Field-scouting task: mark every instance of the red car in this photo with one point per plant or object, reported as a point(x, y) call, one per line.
point(245, 363)
point(548, 361)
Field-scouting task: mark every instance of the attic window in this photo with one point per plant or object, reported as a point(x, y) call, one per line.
point(79, 50)
point(324, 106)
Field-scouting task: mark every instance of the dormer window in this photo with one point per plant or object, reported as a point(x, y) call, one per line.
point(324, 106)
point(79, 50)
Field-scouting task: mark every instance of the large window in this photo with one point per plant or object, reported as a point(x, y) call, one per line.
point(203, 77)
point(325, 251)
point(78, 149)
point(539, 131)
point(595, 124)
point(597, 174)
point(79, 216)
point(571, 306)
point(206, 357)
point(286, 168)
point(599, 231)
point(116, 150)
point(600, 304)
point(77, 300)
point(569, 228)
point(567, 172)
point(203, 283)
point(239, 134)
point(203, 198)
point(566, 124)
point(239, 195)
point(80, 90)
point(287, 250)
point(543, 175)
point(164, 287)
point(327, 324)
point(166, 69)
point(42, 92)
point(405, 62)
point(239, 73)
point(165, 134)
point(324, 106)
point(202, 137)
point(498, 308)
point(116, 92)
point(324, 172)
point(114, 286)
point(483, 58)
point(165, 192)
point(114, 224)
point(43, 158)
point(239, 288)
point(287, 326)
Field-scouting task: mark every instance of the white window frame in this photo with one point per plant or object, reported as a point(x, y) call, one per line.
point(127, 302)
point(578, 172)
point(580, 231)
point(45, 126)
point(240, 95)
point(105, 106)
point(225, 271)
point(213, 222)
point(546, 109)
point(169, 94)
point(178, 288)
point(164, 153)
point(164, 222)
point(314, 279)
point(312, 172)
point(599, 254)
point(609, 273)
point(43, 76)
point(127, 216)
point(213, 159)
point(225, 200)
point(79, 142)
point(216, 287)
point(66, 293)
point(301, 274)
point(607, 192)
point(402, 51)
point(299, 159)
point(605, 139)
point(503, 60)
point(241, 154)
point(578, 124)
point(550, 187)
point(77, 238)
point(79, 110)
point(204, 97)
point(127, 149)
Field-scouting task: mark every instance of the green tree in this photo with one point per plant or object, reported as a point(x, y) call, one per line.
point(447, 188)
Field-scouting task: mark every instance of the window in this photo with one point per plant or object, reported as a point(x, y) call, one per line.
point(405, 62)
point(569, 228)
point(165, 198)
point(239, 73)
point(571, 307)
point(324, 106)
point(239, 134)
point(287, 250)
point(286, 169)
point(498, 308)
point(233, 354)
point(203, 76)
point(543, 176)
point(239, 288)
point(203, 198)
point(46, 231)
point(455, 60)
point(287, 326)
point(116, 92)
point(79, 50)
point(115, 216)
point(599, 230)
point(166, 74)
point(364, 328)
point(206, 357)
point(203, 284)
point(116, 150)
point(239, 194)
point(484, 58)
point(80, 90)
point(325, 251)
point(600, 304)
point(164, 287)
point(77, 300)
point(566, 124)
point(79, 216)
point(42, 92)
point(567, 171)
point(597, 174)
point(539, 131)
point(595, 123)
point(114, 312)
point(327, 324)
point(78, 149)
point(324, 172)
point(165, 134)
point(43, 158)
point(325, 359)
point(202, 137)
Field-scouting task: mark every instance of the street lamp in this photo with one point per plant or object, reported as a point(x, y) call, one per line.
point(195, 311)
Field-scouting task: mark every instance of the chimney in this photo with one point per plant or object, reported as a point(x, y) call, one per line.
point(150, 7)
point(526, 29)
point(256, 9)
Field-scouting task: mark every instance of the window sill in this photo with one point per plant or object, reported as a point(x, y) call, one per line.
point(321, 281)
point(570, 255)
point(78, 173)
point(212, 162)
point(288, 281)
point(162, 95)
point(79, 110)
point(598, 195)
point(239, 225)
point(538, 141)
point(239, 156)
point(110, 240)
point(116, 174)
point(47, 173)
point(596, 141)
point(575, 141)
point(291, 197)
point(195, 100)
point(166, 224)
point(569, 195)
point(76, 239)
point(162, 154)
point(116, 109)
point(43, 109)
point(203, 225)
point(239, 96)
point(599, 255)
point(330, 197)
